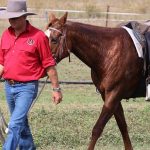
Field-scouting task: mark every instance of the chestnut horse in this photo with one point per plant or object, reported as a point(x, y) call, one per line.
point(115, 66)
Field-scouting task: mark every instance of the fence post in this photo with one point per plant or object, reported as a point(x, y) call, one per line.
point(46, 16)
point(107, 15)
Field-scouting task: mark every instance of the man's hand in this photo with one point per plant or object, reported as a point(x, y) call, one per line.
point(57, 97)
point(56, 93)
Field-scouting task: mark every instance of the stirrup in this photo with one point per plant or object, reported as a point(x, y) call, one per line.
point(147, 98)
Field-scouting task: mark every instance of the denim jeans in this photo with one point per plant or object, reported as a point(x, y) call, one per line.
point(19, 98)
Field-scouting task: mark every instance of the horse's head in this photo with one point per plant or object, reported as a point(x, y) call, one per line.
point(56, 31)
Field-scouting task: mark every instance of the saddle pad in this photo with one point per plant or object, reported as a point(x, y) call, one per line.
point(138, 46)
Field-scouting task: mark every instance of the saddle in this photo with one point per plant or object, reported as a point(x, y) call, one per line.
point(142, 33)
point(139, 31)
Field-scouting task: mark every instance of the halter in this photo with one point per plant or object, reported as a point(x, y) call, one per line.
point(62, 42)
point(50, 28)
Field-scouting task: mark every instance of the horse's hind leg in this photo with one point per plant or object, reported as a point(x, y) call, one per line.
point(109, 107)
point(120, 118)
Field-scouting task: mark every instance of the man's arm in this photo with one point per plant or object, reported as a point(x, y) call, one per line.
point(56, 92)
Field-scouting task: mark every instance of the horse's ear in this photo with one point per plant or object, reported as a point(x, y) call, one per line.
point(51, 17)
point(50, 20)
point(64, 18)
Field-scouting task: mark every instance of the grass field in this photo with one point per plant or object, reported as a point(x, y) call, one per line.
point(136, 5)
point(68, 125)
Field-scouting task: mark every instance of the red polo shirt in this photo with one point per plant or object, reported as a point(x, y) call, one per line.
point(25, 57)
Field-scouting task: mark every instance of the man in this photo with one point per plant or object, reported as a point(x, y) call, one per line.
point(26, 57)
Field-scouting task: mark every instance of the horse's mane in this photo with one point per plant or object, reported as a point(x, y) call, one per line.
point(93, 31)
point(89, 27)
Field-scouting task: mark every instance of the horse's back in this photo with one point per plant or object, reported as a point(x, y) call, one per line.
point(122, 66)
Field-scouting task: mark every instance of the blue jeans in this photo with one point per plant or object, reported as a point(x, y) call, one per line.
point(19, 98)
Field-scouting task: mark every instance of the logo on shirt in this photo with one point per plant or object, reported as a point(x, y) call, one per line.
point(30, 41)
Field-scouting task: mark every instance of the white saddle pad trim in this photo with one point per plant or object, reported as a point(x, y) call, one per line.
point(135, 41)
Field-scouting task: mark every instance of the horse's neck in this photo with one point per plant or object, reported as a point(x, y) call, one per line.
point(84, 44)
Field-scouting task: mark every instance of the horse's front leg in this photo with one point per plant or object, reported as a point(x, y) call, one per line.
point(120, 118)
point(110, 104)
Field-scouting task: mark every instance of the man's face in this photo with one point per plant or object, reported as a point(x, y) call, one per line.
point(18, 23)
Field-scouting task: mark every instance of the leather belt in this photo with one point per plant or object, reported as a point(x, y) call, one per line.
point(12, 82)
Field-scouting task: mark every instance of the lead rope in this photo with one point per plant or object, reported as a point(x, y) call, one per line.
point(38, 95)
point(3, 127)
point(67, 48)
point(64, 41)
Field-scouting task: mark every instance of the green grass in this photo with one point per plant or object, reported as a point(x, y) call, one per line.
point(68, 125)
point(74, 70)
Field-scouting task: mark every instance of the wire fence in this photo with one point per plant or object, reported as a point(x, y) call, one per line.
point(110, 17)
point(61, 82)
point(102, 18)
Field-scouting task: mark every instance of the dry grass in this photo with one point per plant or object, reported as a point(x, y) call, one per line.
point(93, 10)
point(136, 5)
point(81, 104)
